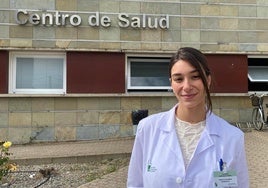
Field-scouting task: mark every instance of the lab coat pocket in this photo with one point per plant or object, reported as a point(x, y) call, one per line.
point(161, 179)
point(164, 171)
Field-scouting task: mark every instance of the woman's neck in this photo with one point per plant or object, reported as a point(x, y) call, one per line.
point(191, 115)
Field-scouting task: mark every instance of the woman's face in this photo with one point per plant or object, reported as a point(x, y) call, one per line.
point(187, 85)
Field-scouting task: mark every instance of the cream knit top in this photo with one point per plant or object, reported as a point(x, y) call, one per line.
point(188, 137)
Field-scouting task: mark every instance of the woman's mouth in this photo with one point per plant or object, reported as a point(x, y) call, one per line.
point(188, 96)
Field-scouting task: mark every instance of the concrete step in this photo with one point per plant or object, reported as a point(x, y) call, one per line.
point(70, 152)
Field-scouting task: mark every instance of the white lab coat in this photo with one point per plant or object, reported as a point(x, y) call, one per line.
point(157, 162)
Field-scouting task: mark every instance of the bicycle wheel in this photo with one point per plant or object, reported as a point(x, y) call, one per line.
point(257, 119)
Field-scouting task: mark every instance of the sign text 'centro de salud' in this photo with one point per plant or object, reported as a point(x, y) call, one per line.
point(95, 19)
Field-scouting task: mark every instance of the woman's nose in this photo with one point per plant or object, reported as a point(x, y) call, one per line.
point(187, 85)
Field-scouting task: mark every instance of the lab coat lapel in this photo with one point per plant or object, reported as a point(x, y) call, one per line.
point(169, 134)
point(204, 143)
point(206, 140)
point(172, 143)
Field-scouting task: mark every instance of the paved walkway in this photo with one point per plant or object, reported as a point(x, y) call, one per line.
point(256, 149)
point(257, 156)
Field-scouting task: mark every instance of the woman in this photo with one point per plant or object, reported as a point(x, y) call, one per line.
point(188, 146)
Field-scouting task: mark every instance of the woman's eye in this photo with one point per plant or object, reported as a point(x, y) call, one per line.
point(196, 77)
point(177, 79)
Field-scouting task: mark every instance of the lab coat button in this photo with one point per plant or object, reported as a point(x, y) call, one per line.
point(178, 180)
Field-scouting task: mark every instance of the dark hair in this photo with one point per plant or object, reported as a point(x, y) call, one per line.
point(199, 61)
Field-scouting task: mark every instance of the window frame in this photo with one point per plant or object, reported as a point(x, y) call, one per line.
point(144, 58)
point(12, 72)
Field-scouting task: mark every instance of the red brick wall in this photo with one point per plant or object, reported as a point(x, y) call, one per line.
point(229, 73)
point(3, 72)
point(95, 72)
point(104, 72)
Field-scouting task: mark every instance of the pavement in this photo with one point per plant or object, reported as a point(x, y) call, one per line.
point(256, 143)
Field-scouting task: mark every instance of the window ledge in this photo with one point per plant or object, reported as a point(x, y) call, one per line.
point(135, 94)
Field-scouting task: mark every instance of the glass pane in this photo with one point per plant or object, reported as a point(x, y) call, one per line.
point(39, 73)
point(149, 73)
point(258, 73)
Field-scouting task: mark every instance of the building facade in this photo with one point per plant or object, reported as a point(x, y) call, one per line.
point(76, 69)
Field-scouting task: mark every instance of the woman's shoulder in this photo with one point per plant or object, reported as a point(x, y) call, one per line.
point(154, 118)
point(223, 126)
point(154, 121)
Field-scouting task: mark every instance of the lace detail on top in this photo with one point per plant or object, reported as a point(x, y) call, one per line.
point(188, 136)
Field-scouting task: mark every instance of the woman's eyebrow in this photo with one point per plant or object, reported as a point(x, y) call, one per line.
point(194, 71)
point(176, 74)
point(179, 74)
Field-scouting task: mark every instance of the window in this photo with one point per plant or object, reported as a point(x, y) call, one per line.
point(258, 73)
point(37, 73)
point(148, 73)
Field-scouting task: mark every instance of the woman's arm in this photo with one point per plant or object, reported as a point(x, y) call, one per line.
point(241, 166)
